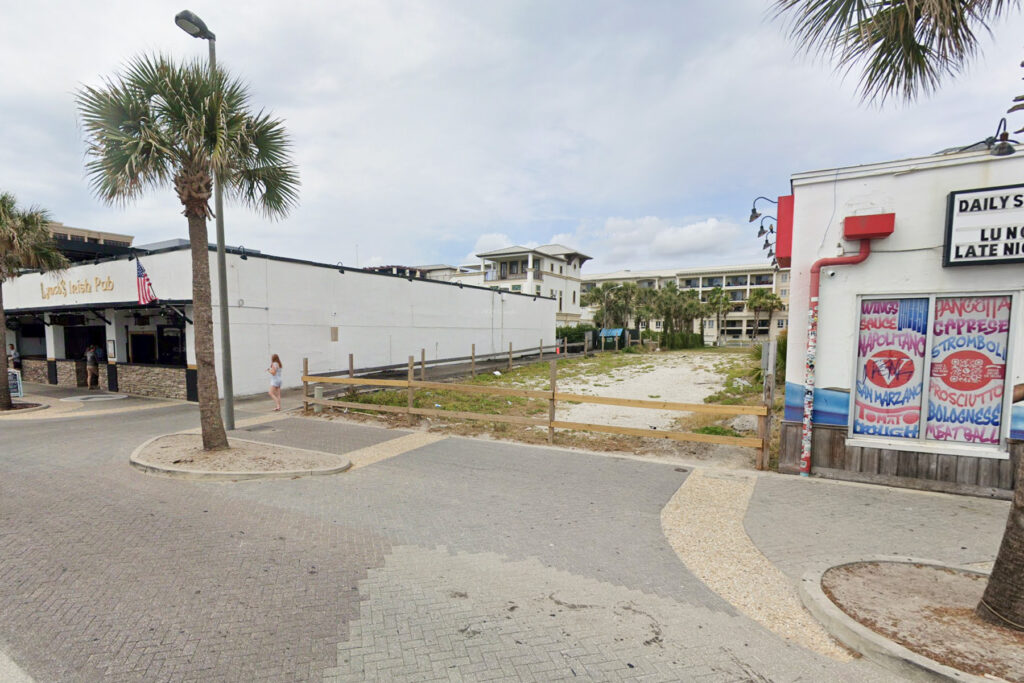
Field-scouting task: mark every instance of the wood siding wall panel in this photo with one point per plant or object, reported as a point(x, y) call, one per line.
point(831, 457)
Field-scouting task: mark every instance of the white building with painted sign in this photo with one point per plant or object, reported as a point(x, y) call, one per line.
point(905, 322)
point(278, 305)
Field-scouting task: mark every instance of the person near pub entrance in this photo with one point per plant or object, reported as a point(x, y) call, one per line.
point(275, 380)
point(92, 368)
point(13, 357)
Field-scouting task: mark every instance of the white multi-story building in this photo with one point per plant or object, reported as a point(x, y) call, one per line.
point(737, 281)
point(551, 271)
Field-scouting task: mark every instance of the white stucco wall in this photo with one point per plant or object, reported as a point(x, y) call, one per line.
point(908, 261)
point(289, 308)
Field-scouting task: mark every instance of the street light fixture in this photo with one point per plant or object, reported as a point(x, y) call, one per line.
point(194, 26)
point(770, 229)
point(754, 213)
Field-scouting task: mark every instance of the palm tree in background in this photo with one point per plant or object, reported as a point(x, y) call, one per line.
point(646, 306)
point(601, 296)
point(907, 47)
point(160, 125)
point(719, 304)
point(25, 242)
point(763, 301)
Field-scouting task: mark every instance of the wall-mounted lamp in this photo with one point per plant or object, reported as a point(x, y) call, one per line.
point(460, 285)
point(767, 244)
point(754, 213)
point(341, 268)
point(131, 254)
point(770, 229)
point(999, 144)
point(243, 255)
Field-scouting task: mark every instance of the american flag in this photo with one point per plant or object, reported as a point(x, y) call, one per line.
point(145, 287)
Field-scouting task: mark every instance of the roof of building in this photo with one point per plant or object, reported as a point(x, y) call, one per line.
point(678, 272)
point(557, 251)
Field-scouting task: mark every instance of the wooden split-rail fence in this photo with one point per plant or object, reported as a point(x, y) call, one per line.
point(410, 384)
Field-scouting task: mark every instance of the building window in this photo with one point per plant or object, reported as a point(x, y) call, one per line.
point(537, 289)
point(781, 323)
point(552, 267)
point(560, 270)
point(783, 292)
point(946, 387)
point(76, 238)
point(503, 270)
point(657, 324)
point(574, 297)
point(710, 324)
point(784, 277)
point(517, 288)
point(513, 268)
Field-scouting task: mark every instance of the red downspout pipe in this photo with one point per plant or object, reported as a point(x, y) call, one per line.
point(812, 345)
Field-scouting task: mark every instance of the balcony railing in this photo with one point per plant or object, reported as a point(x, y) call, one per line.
point(495, 276)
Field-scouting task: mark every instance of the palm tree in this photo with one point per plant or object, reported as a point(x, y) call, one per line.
point(600, 297)
point(626, 301)
point(646, 299)
point(24, 243)
point(763, 301)
point(907, 47)
point(162, 124)
point(719, 304)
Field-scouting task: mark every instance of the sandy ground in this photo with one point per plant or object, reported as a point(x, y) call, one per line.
point(678, 377)
point(185, 452)
point(704, 524)
point(929, 610)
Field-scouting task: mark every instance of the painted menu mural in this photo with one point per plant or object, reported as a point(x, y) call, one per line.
point(968, 371)
point(890, 367)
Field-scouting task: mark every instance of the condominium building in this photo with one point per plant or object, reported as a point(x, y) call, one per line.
point(551, 270)
point(79, 244)
point(737, 281)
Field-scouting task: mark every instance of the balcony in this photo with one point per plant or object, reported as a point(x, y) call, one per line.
point(736, 281)
point(762, 280)
point(495, 276)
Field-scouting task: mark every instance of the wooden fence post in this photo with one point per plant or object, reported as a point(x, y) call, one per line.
point(305, 384)
point(551, 401)
point(423, 365)
point(412, 376)
point(768, 351)
point(586, 344)
point(351, 373)
point(510, 356)
point(540, 347)
point(472, 360)
point(616, 342)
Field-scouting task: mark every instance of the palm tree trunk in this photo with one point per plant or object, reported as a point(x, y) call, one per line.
point(1003, 601)
point(214, 436)
point(5, 390)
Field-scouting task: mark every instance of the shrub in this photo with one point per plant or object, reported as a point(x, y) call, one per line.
point(572, 333)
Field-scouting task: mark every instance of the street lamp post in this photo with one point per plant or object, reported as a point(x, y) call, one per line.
point(195, 27)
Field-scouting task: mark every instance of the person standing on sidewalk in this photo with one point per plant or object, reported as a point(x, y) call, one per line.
point(92, 368)
point(13, 357)
point(275, 380)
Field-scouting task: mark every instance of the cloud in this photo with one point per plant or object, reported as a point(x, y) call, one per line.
point(652, 242)
point(637, 133)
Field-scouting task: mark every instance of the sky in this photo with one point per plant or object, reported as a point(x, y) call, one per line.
point(425, 132)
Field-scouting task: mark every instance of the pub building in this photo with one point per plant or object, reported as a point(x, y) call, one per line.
point(904, 322)
point(297, 309)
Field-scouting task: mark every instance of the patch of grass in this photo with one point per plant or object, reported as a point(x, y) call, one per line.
point(717, 430)
point(653, 395)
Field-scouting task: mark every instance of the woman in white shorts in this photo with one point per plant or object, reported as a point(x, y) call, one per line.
point(275, 380)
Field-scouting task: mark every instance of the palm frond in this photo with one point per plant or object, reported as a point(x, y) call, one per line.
point(905, 47)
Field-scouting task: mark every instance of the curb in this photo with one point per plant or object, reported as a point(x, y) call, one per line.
point(875, 646)
point(208, 475)
point(14, 414)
